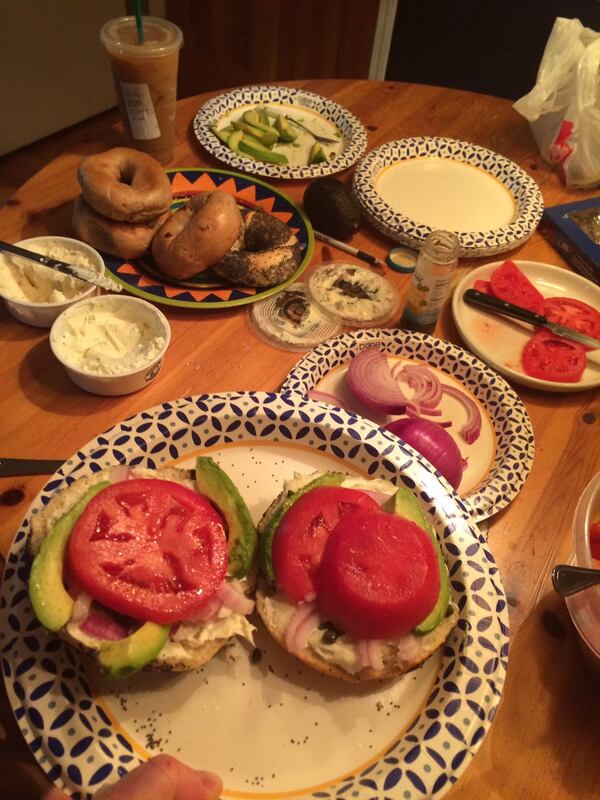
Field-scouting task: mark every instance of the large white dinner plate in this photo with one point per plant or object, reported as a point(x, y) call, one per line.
point(272, 728)
point(354, 135)
point(498, 462)
point(409, 187)
point(499, 341)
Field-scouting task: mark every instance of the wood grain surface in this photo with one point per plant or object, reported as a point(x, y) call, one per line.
point(545, 739)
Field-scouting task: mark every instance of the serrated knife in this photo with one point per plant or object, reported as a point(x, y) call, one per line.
point(489, 303)
point(83, 273)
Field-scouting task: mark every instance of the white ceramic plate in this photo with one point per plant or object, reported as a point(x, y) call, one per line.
point(354, 136)
point(409, 187)
point(499, 341)
point(272, 728)
point(499, 461)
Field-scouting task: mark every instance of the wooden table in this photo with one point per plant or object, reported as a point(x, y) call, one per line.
point(545, 740)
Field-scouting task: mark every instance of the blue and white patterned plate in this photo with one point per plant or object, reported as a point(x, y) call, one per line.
point(352, 130)
point(513, 455)
point(265, 726)
point(526, 194)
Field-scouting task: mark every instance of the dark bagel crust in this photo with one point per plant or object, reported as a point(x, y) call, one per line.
point(268, 254)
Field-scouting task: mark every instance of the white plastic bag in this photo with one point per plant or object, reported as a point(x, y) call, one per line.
point(563, 107)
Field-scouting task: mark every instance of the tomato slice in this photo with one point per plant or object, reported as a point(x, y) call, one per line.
point(552, 358)
point(595, 539)
point(483, 286)
point(148, 548)
point(573, 314)
point(378, 576)
point(511, 285)
point(303, 531)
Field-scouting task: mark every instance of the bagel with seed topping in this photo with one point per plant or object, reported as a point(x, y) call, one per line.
point(342, 596)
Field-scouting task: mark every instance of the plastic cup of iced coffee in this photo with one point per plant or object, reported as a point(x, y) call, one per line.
point(145, 75)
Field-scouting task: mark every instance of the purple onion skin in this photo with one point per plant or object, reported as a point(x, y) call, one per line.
point(434, 443)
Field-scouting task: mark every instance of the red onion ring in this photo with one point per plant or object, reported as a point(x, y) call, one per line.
point(472, 427)
point(370, 380)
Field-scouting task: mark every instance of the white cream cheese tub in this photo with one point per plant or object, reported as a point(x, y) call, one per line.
point(111, 344)
point(37, 295)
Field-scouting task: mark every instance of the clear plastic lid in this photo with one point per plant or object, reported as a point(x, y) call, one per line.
point(352, 295)
point(290, 321)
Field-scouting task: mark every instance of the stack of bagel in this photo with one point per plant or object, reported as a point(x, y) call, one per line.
point(125, 197)
point(125, 209)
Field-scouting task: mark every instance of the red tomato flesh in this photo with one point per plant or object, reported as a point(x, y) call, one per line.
point(151, 549)
point(595, 539)
point(303, 531)
point(511, 285)
point(574, 314)
point(552, 358)
point(378, 576)
point(483, 286)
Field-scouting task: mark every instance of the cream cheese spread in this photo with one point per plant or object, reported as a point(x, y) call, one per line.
point(352, 294)
point(26, 281)
point(108, 336)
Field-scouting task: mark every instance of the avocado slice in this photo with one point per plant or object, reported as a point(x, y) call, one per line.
point(266, 540)
point(234, 141)
point(252, 147)
point(317, 155)
point(223, 134)
point(124, 656)
point(258, 120)
point(406, 505)
point(265, 137)
point(285, 130)
point(220, 490)
point(50, 600)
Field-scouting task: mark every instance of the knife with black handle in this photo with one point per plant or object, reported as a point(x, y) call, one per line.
point(488, 302)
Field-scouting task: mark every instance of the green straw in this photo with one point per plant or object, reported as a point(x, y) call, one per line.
point(138, 21)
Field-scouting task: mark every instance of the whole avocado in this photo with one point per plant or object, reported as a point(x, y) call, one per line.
point(332, 208)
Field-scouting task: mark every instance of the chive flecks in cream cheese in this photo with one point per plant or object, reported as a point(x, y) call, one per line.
point(25, 281)
point(352, 294)
point(108, 338)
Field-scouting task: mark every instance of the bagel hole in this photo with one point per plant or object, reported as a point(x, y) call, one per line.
point(127, 175)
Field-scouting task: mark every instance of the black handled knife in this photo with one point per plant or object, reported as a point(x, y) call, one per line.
point(490, 303)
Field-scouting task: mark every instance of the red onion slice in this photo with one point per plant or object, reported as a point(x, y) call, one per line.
point(303, 612)
point(305, 631)
point(472, 427)
point(232, 597)
point(409, 648)
point(81, 608)
point(370, 380)
point(101, 626)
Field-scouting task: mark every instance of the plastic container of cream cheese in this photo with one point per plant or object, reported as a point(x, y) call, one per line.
point(352, 295)
point(111, 344)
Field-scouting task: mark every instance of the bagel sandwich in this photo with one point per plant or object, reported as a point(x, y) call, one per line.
point(145, 568)
point(352, 580)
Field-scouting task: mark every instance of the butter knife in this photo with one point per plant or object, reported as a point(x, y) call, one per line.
point(14, 467)
point(83, 273)
point(489, 303)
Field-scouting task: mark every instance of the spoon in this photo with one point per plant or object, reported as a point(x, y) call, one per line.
point(568, 580)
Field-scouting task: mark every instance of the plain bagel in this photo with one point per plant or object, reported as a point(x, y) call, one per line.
point(197, 235)
point(122, 239)
point(124, 184)
point(267, 254)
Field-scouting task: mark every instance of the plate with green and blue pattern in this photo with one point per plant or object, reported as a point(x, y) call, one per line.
point(268, 725)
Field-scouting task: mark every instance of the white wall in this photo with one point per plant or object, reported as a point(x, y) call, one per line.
point(53, 70)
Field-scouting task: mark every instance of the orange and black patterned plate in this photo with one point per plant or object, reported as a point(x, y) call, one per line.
point(207, 290)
